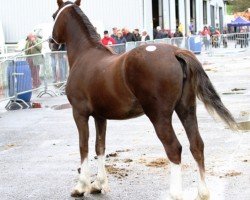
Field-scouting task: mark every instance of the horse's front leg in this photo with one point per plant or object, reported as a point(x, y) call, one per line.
point(83, 186)
point(101, 182)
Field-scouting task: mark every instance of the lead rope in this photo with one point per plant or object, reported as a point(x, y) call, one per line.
point(23, 51)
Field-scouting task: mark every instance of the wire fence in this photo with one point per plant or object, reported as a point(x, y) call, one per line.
point(23, 78)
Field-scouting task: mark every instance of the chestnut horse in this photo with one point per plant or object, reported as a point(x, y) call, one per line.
point(154, 80)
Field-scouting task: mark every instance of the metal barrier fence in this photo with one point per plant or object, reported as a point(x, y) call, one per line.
point(24, 77)
point(199, 44)
point(36, 75)
point(9, 48)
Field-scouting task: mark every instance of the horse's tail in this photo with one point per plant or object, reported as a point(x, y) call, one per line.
point(204, 89)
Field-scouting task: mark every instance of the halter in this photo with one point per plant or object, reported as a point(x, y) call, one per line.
point(60, 11)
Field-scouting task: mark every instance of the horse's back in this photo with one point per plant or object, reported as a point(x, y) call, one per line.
point(154, 71)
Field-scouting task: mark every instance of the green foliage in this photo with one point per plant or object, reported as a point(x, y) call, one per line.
point(239, 5)
point(230, 10)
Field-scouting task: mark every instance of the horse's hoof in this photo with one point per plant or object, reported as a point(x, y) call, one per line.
point(95, 191)
point(203, 192)
point(176, 196)
point(203, 197)
point(76, 193)
point(97, 187)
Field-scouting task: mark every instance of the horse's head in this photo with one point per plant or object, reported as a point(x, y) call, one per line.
point(58, 29)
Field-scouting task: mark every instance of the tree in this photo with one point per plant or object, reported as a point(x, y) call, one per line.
point(239, 5)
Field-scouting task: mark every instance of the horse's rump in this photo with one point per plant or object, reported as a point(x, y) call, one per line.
point(204, 89)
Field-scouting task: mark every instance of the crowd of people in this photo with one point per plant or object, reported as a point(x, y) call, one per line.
point(121, 36)
point(212, 35)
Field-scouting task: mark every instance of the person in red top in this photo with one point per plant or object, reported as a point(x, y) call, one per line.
point(107, 40)
point(206, 37)
point(216, 38)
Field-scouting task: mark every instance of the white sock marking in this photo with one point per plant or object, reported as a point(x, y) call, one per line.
point(101, 183)
point(203, 192)
point(175, 181)
point(84, 184)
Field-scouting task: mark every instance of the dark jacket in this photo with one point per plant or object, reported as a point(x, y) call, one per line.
point(160, 35)
point(146, 38)
point(178, 34)
point(137, 37)
point(130, 37)
point(120, 40)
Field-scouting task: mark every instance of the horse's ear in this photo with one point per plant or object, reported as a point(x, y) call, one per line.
point(59, 2)
point(78, 2)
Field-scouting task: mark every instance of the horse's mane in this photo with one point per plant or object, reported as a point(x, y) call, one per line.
point(90, 29)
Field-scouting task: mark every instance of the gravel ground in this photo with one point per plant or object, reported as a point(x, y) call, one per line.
point(39, 153)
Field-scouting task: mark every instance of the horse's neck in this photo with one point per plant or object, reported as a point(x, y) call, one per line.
point(77, 41)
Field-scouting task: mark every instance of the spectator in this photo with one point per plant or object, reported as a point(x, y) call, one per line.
point(145, 36)
point(107, 40)
point(137, 35)
point(206, 37)
point(168, 33)
point(211, 30)
point(178, 40)
point(159, 34)
point(217, 31)
point(225, 30)
point(59, 57)
point(114, 35)
point(216, 38)
point(34, 61)
point(120, 39)
point(191, 28)
point(178, 33)
point(181, 28)
point(127, 35)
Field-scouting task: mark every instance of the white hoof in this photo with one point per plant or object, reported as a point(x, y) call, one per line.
point(81, 190)
point(203, 192)
point(176, 195)
point(100, 186)
point(203, 197)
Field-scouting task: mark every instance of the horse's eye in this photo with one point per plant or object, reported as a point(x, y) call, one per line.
point(54, 16)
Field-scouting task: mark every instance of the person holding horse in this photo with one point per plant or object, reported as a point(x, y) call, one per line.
point(33, 48)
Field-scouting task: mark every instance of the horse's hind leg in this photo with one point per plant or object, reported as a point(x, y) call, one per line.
point(165, 133)
point(186, 111)
point(101, 182)
point(83, 186)
point(162, 121)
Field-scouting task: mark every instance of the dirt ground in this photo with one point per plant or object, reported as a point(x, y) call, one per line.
point(39, 154)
